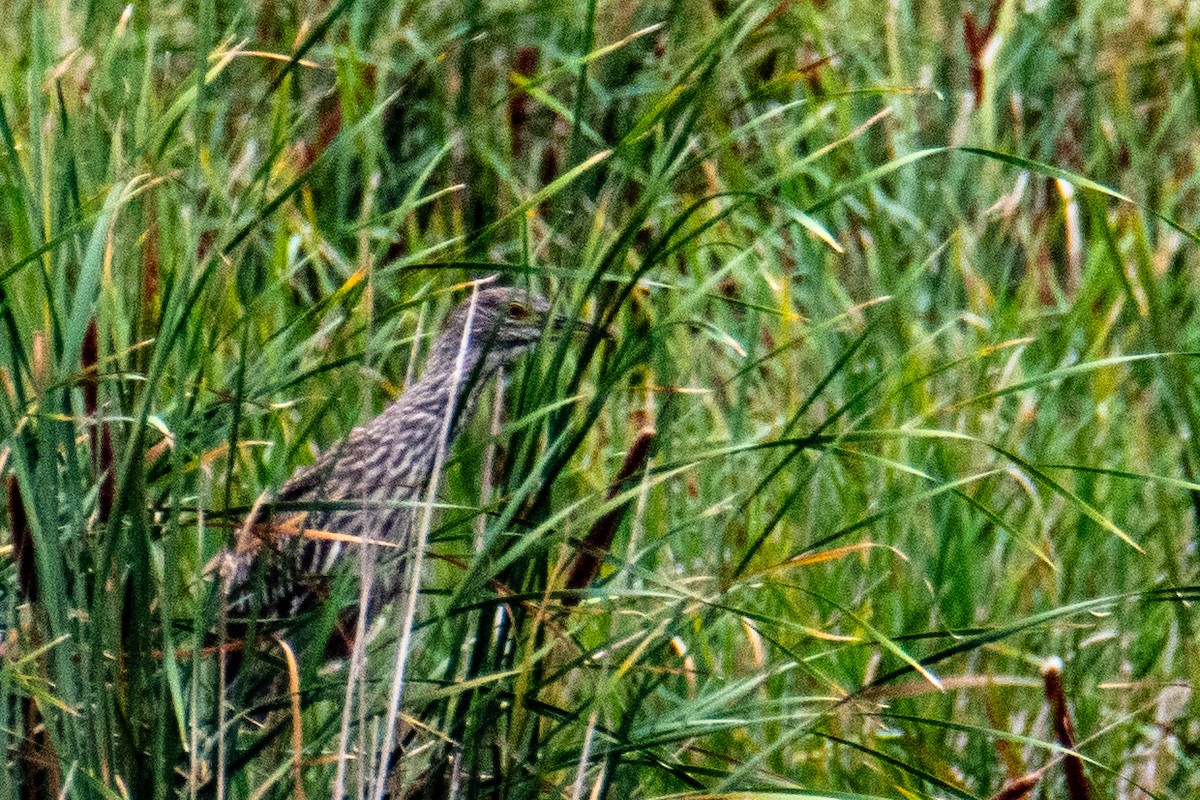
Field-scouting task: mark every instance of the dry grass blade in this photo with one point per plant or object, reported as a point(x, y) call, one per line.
point(1019, 788)
point(595, 546)
point(293, 673)
point(1078, 787)
point(409, 601)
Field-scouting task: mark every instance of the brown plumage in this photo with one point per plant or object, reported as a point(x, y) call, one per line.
point(369, 477)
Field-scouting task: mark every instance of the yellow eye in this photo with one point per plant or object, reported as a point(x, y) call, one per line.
point(517, 311)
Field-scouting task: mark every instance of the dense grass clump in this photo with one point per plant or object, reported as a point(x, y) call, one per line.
point(906, 293)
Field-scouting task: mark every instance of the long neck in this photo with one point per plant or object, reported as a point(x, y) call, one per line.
point(414, 425)
point(466, 374)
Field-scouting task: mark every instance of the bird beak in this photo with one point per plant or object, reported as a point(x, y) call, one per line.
point(562, 326)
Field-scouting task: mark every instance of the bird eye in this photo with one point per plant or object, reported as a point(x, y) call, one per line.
point(517, 311)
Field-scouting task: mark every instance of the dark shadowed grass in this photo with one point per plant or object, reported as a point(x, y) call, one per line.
point(907, 299)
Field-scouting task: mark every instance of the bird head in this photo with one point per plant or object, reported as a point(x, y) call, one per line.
point(505, 322)
point(505, 318)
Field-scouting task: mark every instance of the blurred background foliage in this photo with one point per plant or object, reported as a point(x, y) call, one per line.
point(907, 291)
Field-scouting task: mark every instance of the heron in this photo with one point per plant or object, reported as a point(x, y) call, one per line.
point(365, 488)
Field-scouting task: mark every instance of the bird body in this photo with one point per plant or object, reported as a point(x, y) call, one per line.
point(369, 483)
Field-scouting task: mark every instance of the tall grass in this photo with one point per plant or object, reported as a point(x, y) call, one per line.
point(905, 290)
